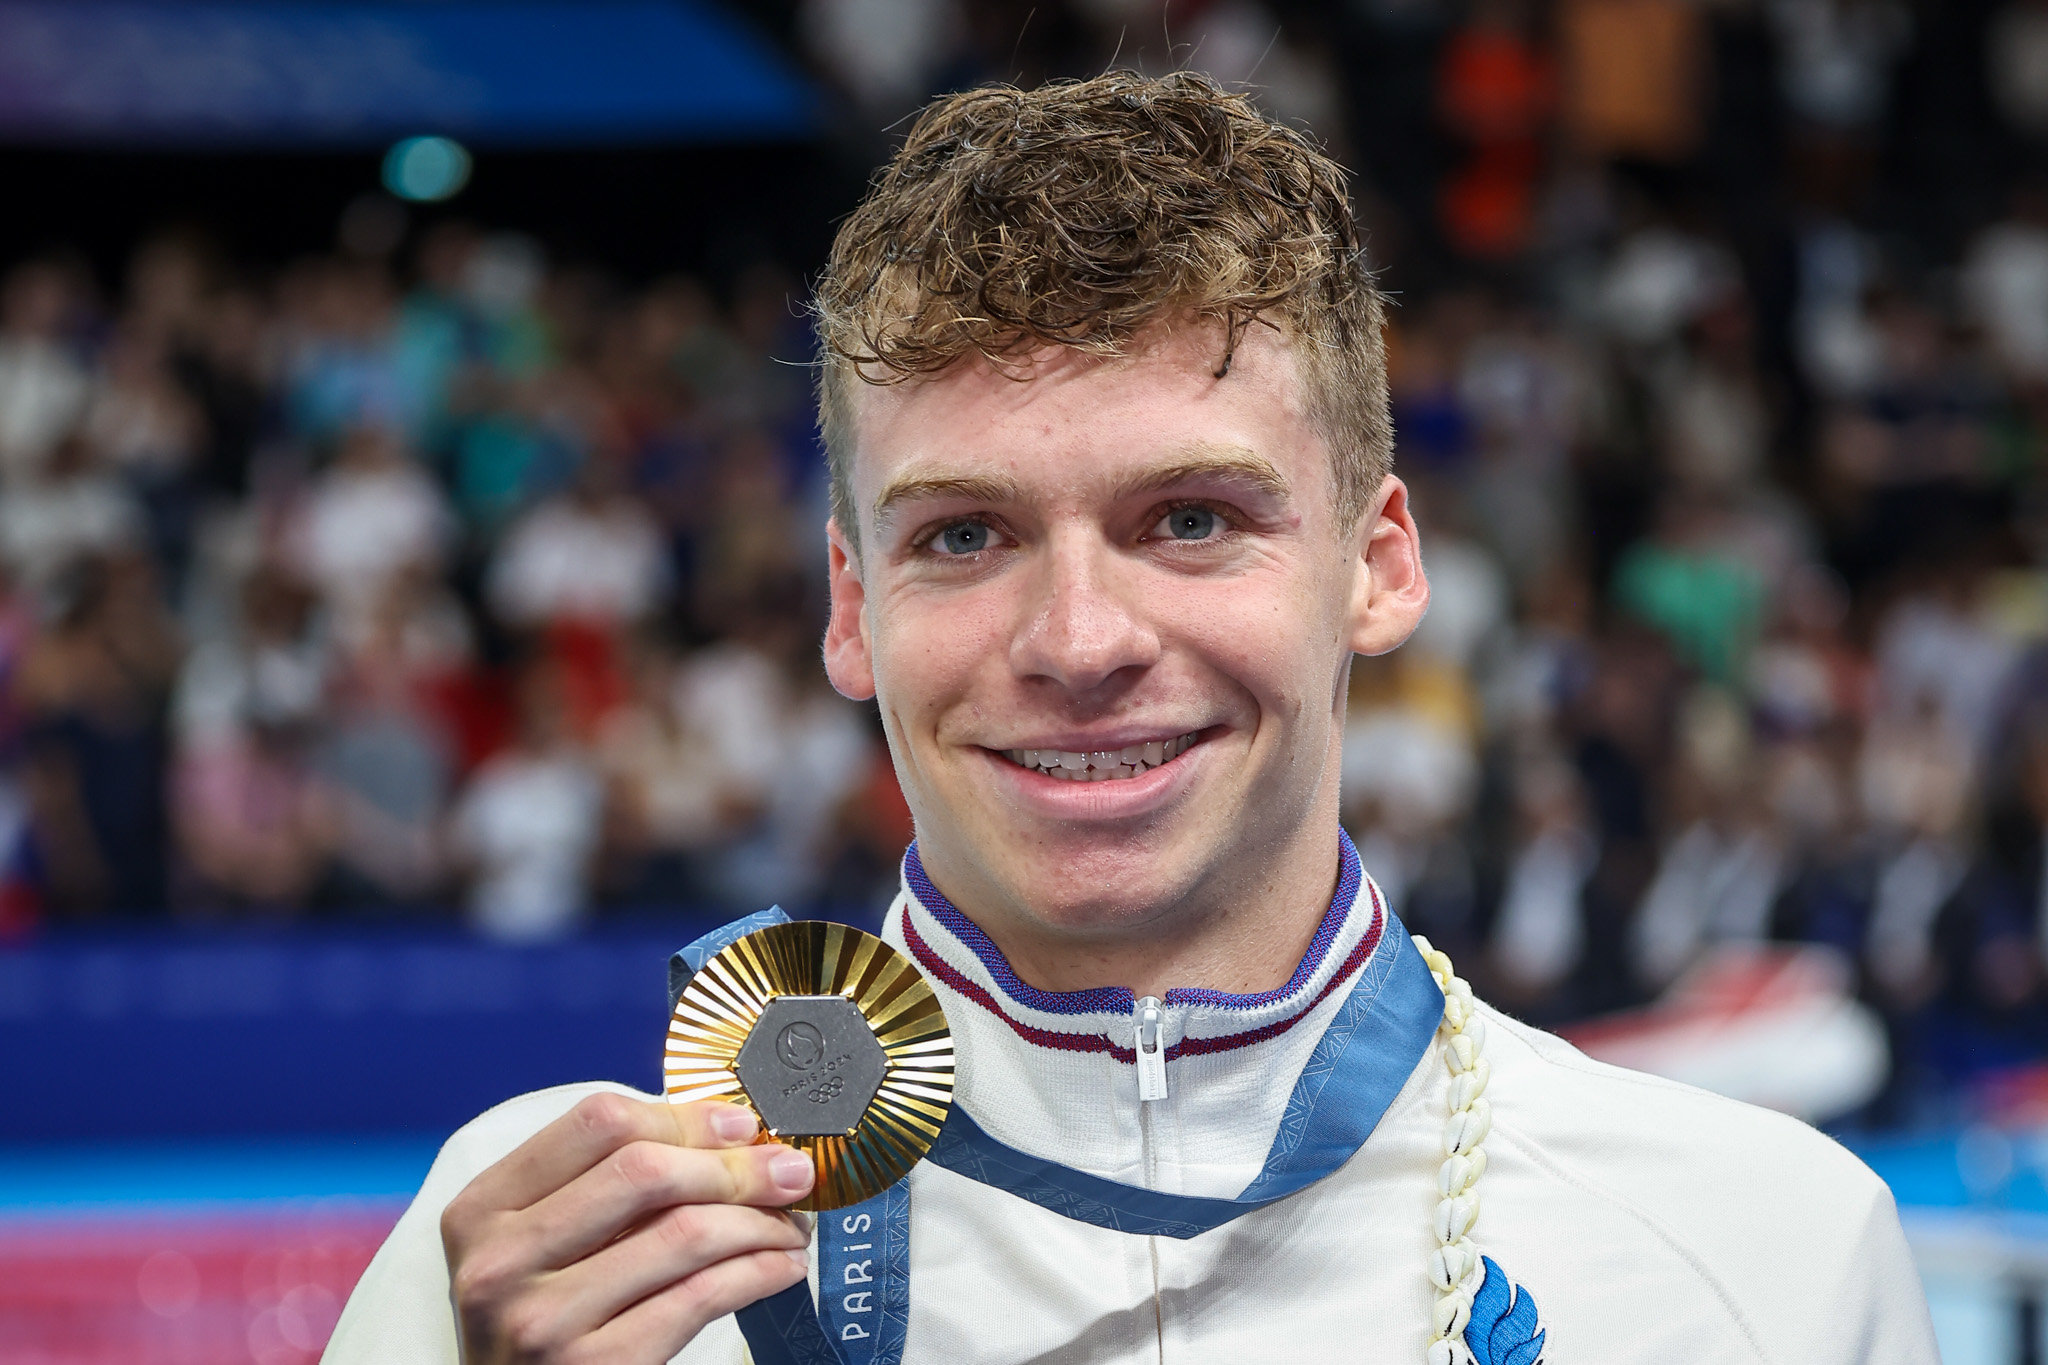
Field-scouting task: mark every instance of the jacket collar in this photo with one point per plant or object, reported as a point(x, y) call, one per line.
point(954, 951)
point(1054, 1073)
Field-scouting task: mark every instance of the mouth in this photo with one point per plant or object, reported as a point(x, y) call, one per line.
point(1102, 765)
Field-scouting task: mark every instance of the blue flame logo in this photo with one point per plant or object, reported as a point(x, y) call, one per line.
point(1503, 1329)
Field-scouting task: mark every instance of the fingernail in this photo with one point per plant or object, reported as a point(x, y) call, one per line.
point(730, 1123)
point(803, 1221)
point(802, 1259)
point(790, 1171)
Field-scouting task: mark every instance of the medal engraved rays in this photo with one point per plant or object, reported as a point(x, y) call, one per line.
point(832, 1038)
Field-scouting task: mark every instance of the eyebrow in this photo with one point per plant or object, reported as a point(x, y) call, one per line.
point(1198, 462)
point(924, 488)
point(1213, 463)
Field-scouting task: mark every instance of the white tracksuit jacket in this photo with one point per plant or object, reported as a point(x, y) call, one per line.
point(1650, 1222)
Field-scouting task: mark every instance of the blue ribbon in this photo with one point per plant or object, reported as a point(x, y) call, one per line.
point(1392, 1010)
point(689, 961)
point(864, 1277)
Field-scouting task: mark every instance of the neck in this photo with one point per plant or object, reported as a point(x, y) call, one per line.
point(1240, 935)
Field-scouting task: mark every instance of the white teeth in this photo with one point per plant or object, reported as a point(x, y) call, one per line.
point(1101, 765)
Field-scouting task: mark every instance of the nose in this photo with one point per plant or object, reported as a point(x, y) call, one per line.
point(1079, 627)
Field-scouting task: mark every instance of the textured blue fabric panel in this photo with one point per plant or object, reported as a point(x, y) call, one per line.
point(1337, 1102)
point(863, 1312)
point(965, 1148)
point(864, 1277)
point(783, 1329)
point(1392, 1014)
point(690, 960)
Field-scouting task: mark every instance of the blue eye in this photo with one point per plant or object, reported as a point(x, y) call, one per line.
point(1189, 523)
point(963, 538)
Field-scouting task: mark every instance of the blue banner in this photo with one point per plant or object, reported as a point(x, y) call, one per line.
point(188, 73)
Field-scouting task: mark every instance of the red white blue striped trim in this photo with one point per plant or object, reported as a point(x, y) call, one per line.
point(1118, 1000)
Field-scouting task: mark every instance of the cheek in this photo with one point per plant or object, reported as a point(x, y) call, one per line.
point(1274, 635)
point(1266, 666)
point(931, 649)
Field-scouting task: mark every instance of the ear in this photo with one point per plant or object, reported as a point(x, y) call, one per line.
point(849, 661)
point(1389, 592)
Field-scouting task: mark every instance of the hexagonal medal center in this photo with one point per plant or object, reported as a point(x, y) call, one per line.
point(811, 1065)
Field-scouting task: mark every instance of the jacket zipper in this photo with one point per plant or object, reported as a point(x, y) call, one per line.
point(1150, 1019)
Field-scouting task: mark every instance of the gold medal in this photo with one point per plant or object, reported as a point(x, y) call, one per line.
point(832, 1038)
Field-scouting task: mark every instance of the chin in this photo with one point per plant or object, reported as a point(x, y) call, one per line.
point(1103, 886)
point(1086, 911)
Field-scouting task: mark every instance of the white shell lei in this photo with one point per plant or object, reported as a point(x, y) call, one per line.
point(1454, 1267)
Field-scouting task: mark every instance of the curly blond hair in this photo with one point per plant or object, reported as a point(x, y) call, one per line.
point(1081, 212)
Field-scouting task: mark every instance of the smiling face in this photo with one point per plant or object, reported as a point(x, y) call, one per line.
point(1108, 614)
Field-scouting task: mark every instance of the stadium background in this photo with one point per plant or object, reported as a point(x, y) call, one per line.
point(410, 573)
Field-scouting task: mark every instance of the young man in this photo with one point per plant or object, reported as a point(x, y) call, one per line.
point(1106, 405)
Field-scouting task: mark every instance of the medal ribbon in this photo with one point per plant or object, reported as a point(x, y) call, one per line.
point(1393, 1008)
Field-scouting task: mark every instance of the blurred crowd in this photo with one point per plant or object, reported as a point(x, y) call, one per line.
point(495, 586)
point(430, 573)
point(1720, 369)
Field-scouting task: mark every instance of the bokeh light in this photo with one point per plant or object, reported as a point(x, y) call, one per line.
point(426, 169)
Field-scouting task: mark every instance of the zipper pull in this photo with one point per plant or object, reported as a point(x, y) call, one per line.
point(1151, 1053)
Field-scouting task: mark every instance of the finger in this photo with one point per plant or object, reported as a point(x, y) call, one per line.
point(644, 1178)
point(596, 1127)
point(712, 1124)
point(670, 1247)
point(663, 1323)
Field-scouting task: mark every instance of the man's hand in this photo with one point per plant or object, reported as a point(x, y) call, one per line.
point(619, 1230)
